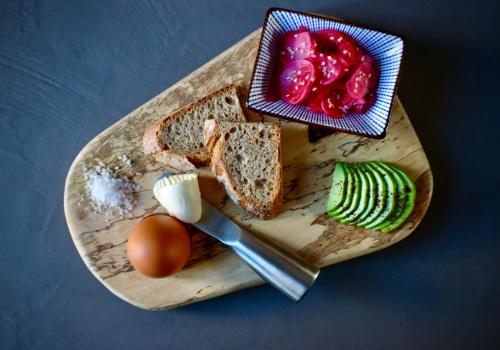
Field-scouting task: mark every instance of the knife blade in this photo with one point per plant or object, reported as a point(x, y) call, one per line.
point(283, 269)
point(217, 225)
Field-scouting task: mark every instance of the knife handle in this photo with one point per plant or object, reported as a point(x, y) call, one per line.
point(283, 269)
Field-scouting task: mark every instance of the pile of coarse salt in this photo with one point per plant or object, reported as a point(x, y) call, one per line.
point(108, 192)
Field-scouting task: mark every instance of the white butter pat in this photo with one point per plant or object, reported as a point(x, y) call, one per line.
point(180, 196)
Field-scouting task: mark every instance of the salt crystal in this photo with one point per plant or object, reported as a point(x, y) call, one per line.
point(109, 192)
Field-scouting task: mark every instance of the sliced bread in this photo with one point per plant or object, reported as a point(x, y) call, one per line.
point(177, 140)
point(246, 159)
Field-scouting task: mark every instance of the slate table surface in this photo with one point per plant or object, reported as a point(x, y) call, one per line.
point(69, 69)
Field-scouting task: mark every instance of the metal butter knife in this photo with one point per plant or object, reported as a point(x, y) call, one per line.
point(283, 269)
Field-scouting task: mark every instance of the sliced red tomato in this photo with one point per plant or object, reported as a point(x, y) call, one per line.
point(332, 104)
point(361, 105)
point(348, 54)
point(329, 68)
point(314, 104)
point(332, 107)
point(361, 80)
point(329, 39)
point(325, 70)
point(346, 102)
point(366, 59)
point(367, 63)
point(298, 44)
point(318, 93)
point(296, 81)
point(357, 85)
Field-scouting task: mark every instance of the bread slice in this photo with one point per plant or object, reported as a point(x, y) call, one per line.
point(246, 159)
point(177, 140)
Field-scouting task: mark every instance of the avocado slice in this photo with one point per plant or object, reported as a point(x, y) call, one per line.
point(411, 194)
point(381, 198)
point(356, 194)
point(372, 192)
point(400, 196)
point(344, 205)
point(339, 187)
point(363, 197)
point(390, 202)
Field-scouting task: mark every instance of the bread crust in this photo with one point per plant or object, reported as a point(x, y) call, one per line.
point(174, 160)
point(210, 134)
point(220, 169)
point(151, 140)
point(153, 143)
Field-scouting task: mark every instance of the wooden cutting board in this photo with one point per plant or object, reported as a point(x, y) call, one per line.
point(301, 226)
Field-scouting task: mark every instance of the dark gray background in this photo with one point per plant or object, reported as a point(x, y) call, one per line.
point(69, 69)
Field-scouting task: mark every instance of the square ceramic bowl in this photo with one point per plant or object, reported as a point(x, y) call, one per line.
point(385, 48)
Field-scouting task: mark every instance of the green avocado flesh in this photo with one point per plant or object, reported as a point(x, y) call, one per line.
point(338, 189)
point(374, 195)
point(345, 202)
point(400, 197)
point(356, 194)
point(390, 201)
point(380, 197)
point(411, 194)
point(363, 196)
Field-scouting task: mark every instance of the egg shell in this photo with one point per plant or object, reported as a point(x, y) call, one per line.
point(159, 246)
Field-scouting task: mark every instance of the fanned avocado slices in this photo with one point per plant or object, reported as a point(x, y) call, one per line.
point(346, 202)
point(363, 197)
point(380, 199)
point(390, 202)
point(411, 194)
point(372, 192)
point(374, 195)
point(356, 194)
point(339, 187)
point(400, 196)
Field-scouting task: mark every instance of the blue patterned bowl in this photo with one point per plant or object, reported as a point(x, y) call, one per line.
point(385, 48)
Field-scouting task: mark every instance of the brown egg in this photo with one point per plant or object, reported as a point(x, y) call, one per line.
point(159, 246)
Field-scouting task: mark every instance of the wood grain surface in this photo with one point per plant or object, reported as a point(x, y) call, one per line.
point(308, 159)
